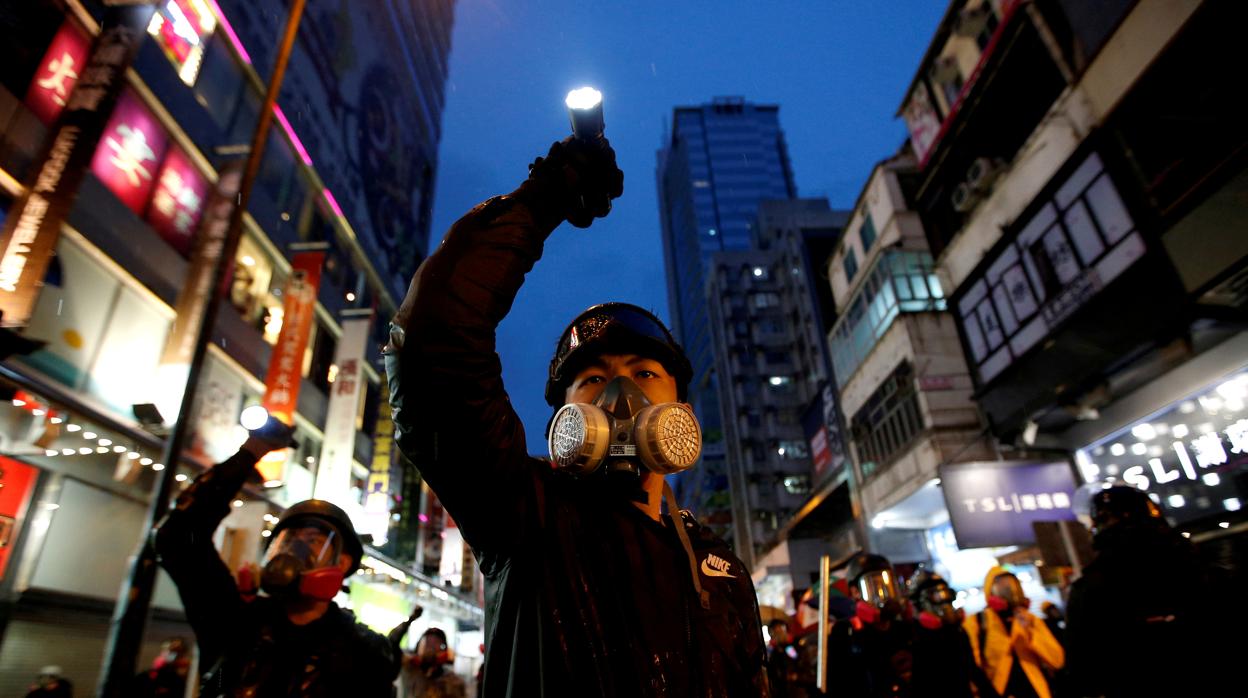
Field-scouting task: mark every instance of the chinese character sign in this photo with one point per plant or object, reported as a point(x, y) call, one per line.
point(382, 475)
point(995, 503)
point(177, 201)
point(58, 73)
point(128, 158)
point(333, 477)
point(33, 223)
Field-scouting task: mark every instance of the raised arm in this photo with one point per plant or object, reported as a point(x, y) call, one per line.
point(184, 543)
point(452, 416)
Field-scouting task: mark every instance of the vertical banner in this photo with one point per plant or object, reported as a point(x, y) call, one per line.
point(281, 383)
point(177, 201)
point(175, 362)
point(130, 151)
point(333, 474)
point(382, 476)
point(34, 222)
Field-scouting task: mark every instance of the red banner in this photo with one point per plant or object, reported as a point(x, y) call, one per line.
point(130, 152)
point(281, 383)
point(178, 200)
point(16, 481)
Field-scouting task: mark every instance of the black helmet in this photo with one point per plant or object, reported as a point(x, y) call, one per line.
point(1122, 503)
point(863, 563)
point(622, 327)
point(923, 580)
point(332, 513)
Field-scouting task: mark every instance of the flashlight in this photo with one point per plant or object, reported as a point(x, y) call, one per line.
point(254, 417)
point(585, 111)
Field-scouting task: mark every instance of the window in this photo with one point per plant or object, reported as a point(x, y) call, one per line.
point(888, 421)
point(851, 265)
point(899, 282)
point(867, 232)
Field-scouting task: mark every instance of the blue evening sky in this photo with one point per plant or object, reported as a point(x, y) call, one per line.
point(837, 68)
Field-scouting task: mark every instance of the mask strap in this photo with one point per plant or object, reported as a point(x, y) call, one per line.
point(678, 522)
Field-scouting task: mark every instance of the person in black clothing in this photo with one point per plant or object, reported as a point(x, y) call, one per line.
point(1148, 592)
point(295, 641)
point(781, 658)
point(943, 662)
point(870, 655)
point(51, 684)
point(168, 674)
point(590, 588)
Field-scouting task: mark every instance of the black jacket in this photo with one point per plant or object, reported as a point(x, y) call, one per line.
point(1149, 618)
point(252, 649)
point(585, 595)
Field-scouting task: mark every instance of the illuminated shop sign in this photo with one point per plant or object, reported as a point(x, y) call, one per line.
point(181, 28)
point(995, 503)
point(128, 158)
point(1187, 457)
point(58, 73)
point(177, 201)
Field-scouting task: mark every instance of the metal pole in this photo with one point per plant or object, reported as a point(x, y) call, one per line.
point(134, 603)
point(825, 587)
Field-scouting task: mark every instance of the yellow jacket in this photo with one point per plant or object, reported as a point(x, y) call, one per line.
point(1032, 642)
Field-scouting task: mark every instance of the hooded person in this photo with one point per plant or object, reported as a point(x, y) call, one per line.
point(1012, 646)
point(293, 639)
point(870, 653)
point(591, 588)
point(1148, 588)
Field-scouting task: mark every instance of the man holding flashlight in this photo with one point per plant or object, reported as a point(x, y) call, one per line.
point(591, 590)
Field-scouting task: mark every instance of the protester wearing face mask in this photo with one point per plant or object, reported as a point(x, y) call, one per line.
point(591, 588)
point(943, 663)
point(427, 672)
point(293, 640)
point(1013, 647)
point(870, 654)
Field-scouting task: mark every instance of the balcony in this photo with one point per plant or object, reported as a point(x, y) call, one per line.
point(986, 122)
point(901, 282)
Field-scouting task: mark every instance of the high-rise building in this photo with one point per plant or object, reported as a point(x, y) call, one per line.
point(768, 326)
point(349, 165)
point(721, 159)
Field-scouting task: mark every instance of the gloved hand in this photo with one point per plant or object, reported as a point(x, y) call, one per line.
point(576, 182)
point(273, 436)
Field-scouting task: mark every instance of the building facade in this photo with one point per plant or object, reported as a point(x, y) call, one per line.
point(85, 413)
point(1081, 182)
point(721, 159)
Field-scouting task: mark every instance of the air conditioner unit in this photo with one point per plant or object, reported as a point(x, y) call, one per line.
point(971, 21)
point(983, 172)
point(964, 198)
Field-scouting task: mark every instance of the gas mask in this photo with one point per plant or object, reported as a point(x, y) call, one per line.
point(935, 605)
point(624, 431)
point(302, 560)
point(1007, 594)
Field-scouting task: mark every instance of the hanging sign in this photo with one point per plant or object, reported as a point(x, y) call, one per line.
point(333, 476)
point(34, 222)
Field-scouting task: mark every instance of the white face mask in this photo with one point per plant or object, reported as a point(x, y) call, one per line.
point(625, 431)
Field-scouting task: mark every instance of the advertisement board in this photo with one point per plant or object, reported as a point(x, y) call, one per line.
point(995, 503)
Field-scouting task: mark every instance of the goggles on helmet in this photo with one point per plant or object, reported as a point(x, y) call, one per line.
point(878, 587)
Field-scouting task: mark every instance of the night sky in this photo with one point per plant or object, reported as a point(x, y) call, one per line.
point(837, 68)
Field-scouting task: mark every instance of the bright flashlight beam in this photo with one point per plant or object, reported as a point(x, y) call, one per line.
point(584, 98)
point(254, 417)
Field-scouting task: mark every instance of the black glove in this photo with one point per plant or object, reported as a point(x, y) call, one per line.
point(576, 181)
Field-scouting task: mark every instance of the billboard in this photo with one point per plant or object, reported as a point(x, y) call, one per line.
point(995, 503)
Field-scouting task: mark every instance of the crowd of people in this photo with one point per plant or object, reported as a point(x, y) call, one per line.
point(1146, 594)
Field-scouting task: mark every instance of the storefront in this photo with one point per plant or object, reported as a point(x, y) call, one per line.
point(1189, 452)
